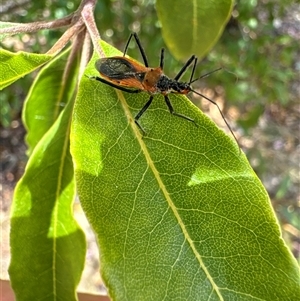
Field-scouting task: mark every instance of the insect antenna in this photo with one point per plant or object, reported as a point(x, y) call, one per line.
point(205, 75)
point(214, 103)
point(210, 100)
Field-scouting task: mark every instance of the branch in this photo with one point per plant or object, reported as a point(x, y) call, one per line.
point(65, 38)
point(86, 53)
point(83, 15)
point(88, 18)
point(36, 26)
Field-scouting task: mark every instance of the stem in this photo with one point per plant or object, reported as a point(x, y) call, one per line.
point(83, 15)
point(88, 18)
point(86, 53)
point(36, 26)
point(75, 49)
point(65, 38)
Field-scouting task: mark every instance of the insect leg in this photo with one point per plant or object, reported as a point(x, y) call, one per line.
point(193, 71)
point(142, 51)
point(114, 85)
point(171, 109)
point(127, 44)
point(186, 65)
point(141, 112)
point(162, 57)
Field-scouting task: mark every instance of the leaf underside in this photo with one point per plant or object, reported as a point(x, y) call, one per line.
point(16, 65)
point(47, 245)
point(192, 27)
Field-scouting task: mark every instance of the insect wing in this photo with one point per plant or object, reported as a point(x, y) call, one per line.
point(117, 68)
point(122, 71)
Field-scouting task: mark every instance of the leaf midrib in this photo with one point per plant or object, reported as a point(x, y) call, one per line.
point(164, 190)
point(57, 197)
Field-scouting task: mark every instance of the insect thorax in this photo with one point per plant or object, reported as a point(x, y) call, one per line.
point(167, 85)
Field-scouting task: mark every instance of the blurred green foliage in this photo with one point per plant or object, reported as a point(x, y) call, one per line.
point(255, 49)
point(261, 54)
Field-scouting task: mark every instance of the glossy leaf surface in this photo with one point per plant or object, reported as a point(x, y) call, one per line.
point(179, 213)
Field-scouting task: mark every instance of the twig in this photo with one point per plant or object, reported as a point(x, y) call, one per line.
point(83, 15)
point(88, 18)
point(86, 53)
point(36, 26)
point(65, 38)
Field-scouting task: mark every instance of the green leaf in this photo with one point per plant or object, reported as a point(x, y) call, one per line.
point(179, 213)
point(16, 65)
point(47, 245)
point(192, 27)
point(50, 92)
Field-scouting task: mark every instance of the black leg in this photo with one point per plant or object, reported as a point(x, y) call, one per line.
point(102, 80)
point(127, 44)
point(186, 65)
point(141, 112)
point(162, 57)
point(193, 71)
point(171, 109)
point(142, 51)
point(144, 108)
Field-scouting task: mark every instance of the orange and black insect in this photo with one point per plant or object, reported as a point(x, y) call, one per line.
point(129, 76)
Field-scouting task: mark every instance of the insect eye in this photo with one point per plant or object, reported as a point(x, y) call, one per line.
point(140, 76)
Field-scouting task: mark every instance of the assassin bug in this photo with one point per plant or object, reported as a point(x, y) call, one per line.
point(129, 76)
